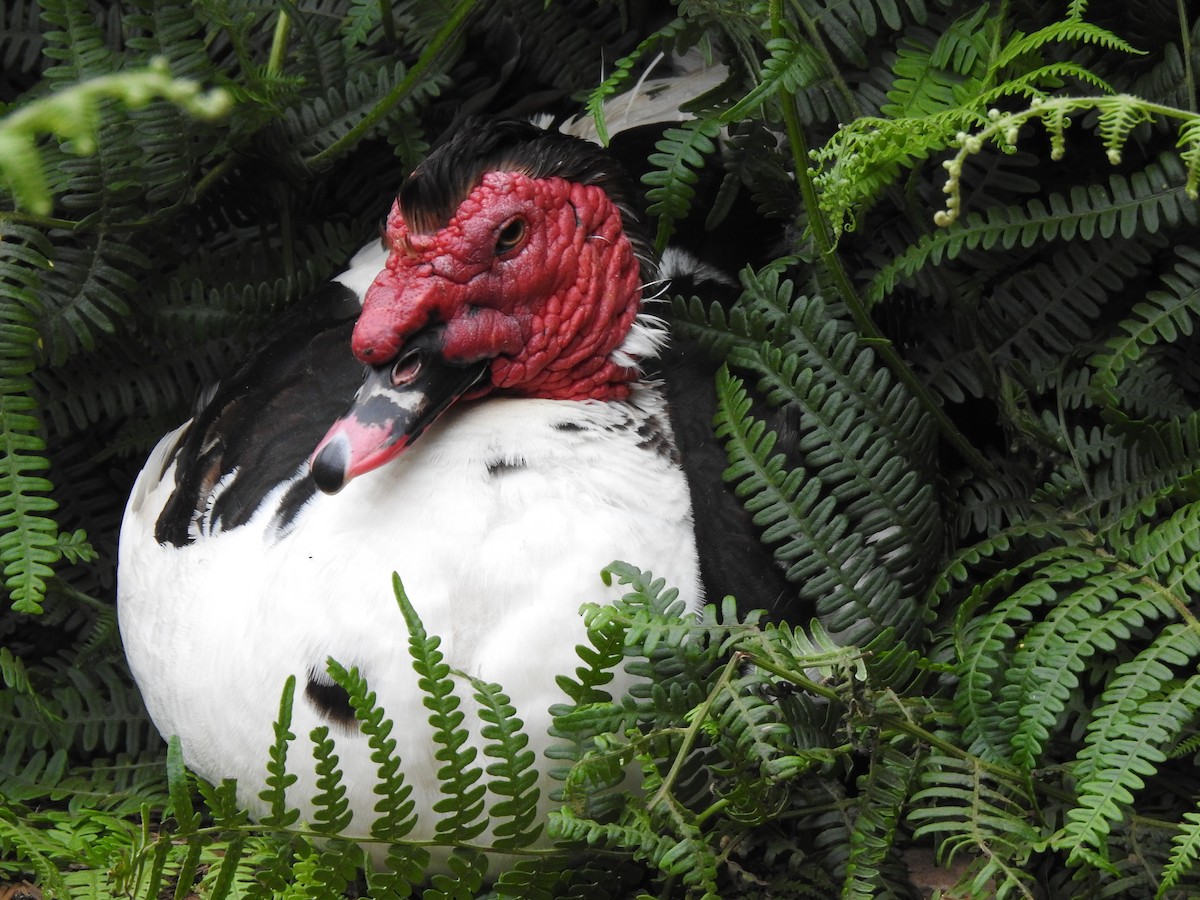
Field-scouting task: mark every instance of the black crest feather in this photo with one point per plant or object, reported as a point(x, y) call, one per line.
point(436, 188)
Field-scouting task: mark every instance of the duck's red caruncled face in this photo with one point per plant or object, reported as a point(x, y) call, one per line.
point(535, 274)
point(527, 289)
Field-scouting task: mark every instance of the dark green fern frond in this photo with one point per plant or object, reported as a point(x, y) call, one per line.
point(462, 803)
point(1048, 309)
point(29, 539)
point(1164, 316)
point(221, 801)
point(1184, 854)
point(28, 535)
point(679, 154)
point(20, 37)
point(1144, 708)
point(279, 779)
point(930, 70)
point(986, 642)
point(331, 808)
point(623, 71)
point(513, 774)
point(857, 514)
point(884, 795)
point(318, 123)
point(848, 26)
point(1150, 199)
point(970, 812)
point(395, 806)
point(468, 868)
point(1045, 669)
point(90, 282)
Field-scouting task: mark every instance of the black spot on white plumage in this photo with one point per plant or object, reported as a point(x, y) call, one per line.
point(330, 700)
point(498, 468)
point(655, 437)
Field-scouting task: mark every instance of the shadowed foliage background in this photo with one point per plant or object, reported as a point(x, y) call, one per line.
point(972, 327)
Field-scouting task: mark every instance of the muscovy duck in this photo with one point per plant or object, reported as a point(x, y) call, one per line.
point(503, 448)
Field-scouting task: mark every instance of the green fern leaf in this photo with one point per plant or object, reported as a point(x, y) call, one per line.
point(622, 72)
point(985, 642)
point(1143, 708)
point(278, 778)
point(514, 775)
point(332, 813)
point(678, 155)
point(1149, 200)
point(884, 792)
point(1162, 317)
point(467, 871)
point(919, 87)
point(28, 536)
point(1046, 667)
point(1184, 854)
point(29, 541)
point(395, 806)
point(967, 812)
point(462, 798)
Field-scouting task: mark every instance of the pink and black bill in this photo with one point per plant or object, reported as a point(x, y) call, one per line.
point(394, 406)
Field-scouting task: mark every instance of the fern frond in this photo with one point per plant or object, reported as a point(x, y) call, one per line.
point(514, 774)
point(29, 539)
point(20, 37)
point(968, 812)
point(396, 808)
point(1144, 707)
point(74, 115)
point(1045, 668)
point(1149, 199)
point(884, 794)
point(464, 880)
point(1184, 854)
point(852, 514)
point(985, 643)
point(1045, 311)
point(919, 87)
point(332, 813)
point(677, 157)
point(1072, 29)
point(623, 71)
point(462, 798)
point(849, 25)
point(279, 779)
point(1163, 316)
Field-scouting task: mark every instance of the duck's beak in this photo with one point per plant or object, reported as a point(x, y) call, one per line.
point(395, 404)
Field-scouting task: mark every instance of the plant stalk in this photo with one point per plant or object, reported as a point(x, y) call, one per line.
point(279, 42)
point(827, 250)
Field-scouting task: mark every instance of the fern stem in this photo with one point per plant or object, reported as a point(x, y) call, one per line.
point(1185, 38)
point(18, 217)
point(896, 723)
point(389, 24)
point(831, 66)
point(827, 250)
point(736, 661)
point(279, 42)
point(419, 70)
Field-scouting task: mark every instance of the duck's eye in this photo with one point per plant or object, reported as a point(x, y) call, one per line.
point(511, 236)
